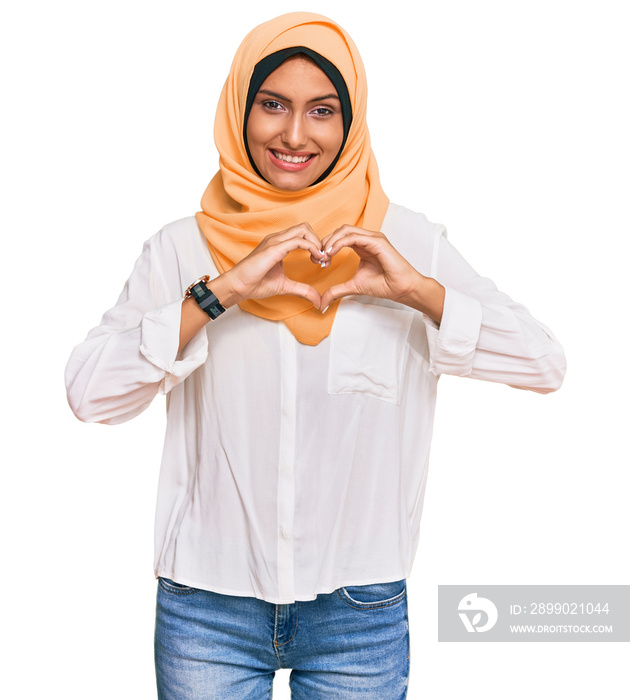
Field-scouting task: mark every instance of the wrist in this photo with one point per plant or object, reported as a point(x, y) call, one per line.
point(426, 296)
point(224, 291)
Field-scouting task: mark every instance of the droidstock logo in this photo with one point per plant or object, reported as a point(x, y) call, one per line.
point(471, 603)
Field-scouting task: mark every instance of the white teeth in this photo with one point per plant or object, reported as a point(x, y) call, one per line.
point(290, 159)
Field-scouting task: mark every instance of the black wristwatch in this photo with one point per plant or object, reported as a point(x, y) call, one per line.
point(204, 297)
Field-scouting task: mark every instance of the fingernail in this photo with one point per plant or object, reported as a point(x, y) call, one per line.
point(328, 251)
point(322, 263)
point(326, 309)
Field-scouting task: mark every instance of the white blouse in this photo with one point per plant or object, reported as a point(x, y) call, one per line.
point(291, 470)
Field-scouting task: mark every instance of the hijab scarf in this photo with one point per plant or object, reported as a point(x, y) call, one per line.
point(239, 208)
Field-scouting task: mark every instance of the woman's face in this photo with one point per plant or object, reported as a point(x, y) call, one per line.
point(295, 126)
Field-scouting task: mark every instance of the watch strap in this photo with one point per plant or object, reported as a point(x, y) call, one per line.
point(206, 299)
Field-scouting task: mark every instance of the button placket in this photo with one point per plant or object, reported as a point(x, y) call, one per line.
point(286, 475)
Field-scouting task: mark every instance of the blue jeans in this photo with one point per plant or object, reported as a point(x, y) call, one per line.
point(347, 644)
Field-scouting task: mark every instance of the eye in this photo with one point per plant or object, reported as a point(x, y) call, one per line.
point(322, 111)
point(272, 105)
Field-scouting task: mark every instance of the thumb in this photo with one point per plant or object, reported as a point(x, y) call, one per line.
point(300, 289)
point(335, 292)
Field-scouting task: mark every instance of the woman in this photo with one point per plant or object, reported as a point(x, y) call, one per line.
point(298, 325)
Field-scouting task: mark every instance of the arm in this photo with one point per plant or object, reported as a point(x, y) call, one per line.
point(484, 334)
point(259, 275)
point(115, 373)
point(473, 329)
point(383, 272)
point(150, 341)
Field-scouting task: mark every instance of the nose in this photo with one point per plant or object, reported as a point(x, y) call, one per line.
point(294, 134)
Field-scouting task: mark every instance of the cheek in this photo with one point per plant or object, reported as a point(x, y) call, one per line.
point(257, 134)
point(333, 138)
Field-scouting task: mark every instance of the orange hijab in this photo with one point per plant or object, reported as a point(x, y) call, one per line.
point(239, 208)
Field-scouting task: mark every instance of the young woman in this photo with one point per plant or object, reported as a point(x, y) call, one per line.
point(298, 325)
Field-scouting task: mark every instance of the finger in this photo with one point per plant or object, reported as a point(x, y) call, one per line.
point(300, 289)
point(351, 236)
point(359, 242)
point(254, 269)
point(307, 233)
point(328, 240)
point(282, 248)
point(344, 230)
point(337, 291)
point(302, 230)
point(319, 259)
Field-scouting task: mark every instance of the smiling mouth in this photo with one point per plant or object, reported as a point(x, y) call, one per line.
point(288, 159)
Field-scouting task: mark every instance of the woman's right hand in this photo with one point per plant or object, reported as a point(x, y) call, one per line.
point(257, 276)
point(261, 274)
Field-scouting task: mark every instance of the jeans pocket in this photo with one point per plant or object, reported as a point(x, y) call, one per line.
point(177, 588)
point(373, 596)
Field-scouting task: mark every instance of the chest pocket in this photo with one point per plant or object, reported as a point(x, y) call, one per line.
point(369, 350)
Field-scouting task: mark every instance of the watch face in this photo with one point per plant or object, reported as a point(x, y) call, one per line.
point(197, 287)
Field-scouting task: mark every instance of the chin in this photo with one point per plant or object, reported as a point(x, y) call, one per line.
point(291, 187)
point(290, 184)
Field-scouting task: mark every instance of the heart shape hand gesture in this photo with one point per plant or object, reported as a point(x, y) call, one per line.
point(383, 272)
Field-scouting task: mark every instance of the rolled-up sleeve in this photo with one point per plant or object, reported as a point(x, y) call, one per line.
point(454, 342)
point(160, 341)
point(485, 335)
point(115, 373)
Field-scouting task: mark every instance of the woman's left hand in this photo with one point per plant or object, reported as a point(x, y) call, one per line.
point(383, 272)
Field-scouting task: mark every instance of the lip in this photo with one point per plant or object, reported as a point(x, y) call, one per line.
point(291, 167)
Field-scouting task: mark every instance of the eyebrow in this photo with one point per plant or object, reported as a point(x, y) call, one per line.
point(286, 99)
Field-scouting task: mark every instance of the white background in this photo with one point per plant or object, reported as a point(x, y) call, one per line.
point(506, 121)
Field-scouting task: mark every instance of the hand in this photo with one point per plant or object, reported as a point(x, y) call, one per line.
point(383, 272)
point(261, 274)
